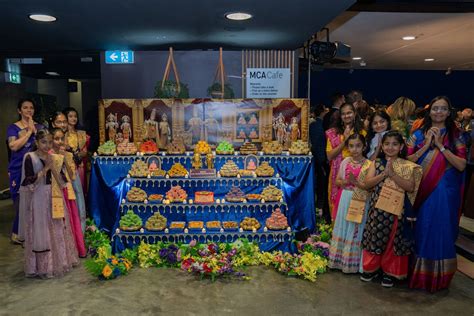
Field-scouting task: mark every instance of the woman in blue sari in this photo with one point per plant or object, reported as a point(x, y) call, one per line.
point(20, 138)
point(438, 146)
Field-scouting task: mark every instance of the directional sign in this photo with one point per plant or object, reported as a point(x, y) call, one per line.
point(119, 57)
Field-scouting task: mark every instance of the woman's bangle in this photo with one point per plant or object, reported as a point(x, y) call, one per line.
point(442, 149)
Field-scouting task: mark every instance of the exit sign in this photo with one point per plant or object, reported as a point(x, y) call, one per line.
point(119, 57)
point(13, 77)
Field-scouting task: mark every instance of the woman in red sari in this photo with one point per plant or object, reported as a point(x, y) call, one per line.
point(438, 146)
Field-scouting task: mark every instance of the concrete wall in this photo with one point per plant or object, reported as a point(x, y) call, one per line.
point(55, 87)
point(75, 99)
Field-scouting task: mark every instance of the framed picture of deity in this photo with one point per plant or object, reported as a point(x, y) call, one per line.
point(155, 121)
point(118, 120)
point(290, 120)
point(249, 119)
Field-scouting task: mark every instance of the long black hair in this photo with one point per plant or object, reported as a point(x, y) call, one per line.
point(53, 118)
point(40, 134)
point(451, 129)
point(394, 133)
point(339, 124)
point(356, 136)
point(70, 109)
point(371, 133)
point(23, 100)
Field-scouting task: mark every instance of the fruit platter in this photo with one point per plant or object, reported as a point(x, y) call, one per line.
point(225, 148)
point(108, 148)
point(130, 221)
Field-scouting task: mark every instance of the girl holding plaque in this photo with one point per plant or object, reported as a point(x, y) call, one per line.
point(345, 251)
point(348, 123)
point(387, 241)
point(438, 146)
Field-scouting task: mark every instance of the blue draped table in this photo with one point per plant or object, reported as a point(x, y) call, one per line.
point(293, 174)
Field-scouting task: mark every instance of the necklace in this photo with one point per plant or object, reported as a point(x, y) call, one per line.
point(357, 162)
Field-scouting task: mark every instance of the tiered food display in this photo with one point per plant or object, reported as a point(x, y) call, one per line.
point(248, 148)
point(225, 148)
point(139, 169)
point(272, 194)
point(156, 222)
point(272, 148)
point(130, 221)
point(202, 148)
point(177, 171)
point(176, 195)
point(176, 147)
point(235, 195)
point(108, 148)
point(265, 170)
point(277, 221)
point(149, 147)
point(136, 195)
point(250, 223)
point(229, 169)
point(299, 148)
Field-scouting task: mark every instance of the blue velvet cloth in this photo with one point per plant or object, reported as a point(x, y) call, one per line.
point(109, 184)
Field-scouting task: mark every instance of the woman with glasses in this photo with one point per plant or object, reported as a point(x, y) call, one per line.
point(439, 147)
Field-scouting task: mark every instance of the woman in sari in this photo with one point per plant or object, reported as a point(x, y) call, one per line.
point(347, 124)
point(20, 138)
point(440, 149)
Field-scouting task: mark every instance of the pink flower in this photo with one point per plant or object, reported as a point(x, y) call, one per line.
point(193, 243)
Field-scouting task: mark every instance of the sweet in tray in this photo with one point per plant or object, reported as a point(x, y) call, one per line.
point(202, 147)
point(196, 225)
point(230, 225)
point(139, 169)
point(214, 225)
point(272, 148)
point(130, 221)
point(136, 195)
point(250, 223)
point(177, 225)
point(177, 171)
point(248, 148)
point(265, 170)
point(149, 147)
point(246, 173)
point(299, 148)
point(277, 221)
point(272, 194)
point(157, 173)
point(126, 148)
point(253, 197)
point(156, 222)
point(176, 147)
point(235, 195)
point(225, 148)
point(176, 194)
point(204, 197)
point(229, 169)
point(107, 148)
point(155, 198)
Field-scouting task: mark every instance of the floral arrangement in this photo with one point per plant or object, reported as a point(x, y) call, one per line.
point(105, 266)
point(215, 91)
point(94, 238)
point(169, 90)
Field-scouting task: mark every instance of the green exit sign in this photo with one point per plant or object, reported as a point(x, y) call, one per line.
point(14, 78)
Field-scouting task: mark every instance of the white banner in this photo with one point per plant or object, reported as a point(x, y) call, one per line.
point(268, 83)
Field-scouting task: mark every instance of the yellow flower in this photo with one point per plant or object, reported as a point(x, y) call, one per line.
point(114, 262)
point(106, 271)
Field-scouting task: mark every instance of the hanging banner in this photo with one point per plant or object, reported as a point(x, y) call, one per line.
point(264, 83)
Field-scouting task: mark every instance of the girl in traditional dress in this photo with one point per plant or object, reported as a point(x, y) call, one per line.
point(20, 138)
point(49, 245)
point(379, 124)
point(69, 170)
point(401, 112)
point(388, 239)
point(345, 251)
point(440, 149)
point(59, 120)
point(348, 123)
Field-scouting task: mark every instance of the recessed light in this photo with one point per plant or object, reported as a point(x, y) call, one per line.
point(408, 38)
point(429, 59)
point(42, 17)
point(52, 73)
point(356, 58)
point(238, 16)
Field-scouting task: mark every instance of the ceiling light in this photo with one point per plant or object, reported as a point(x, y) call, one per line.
point(429, 59)
point(356, 58)
point(363, 63)
point(52, 73)
point(42, 17)
point(238, 16)
point(408, 38)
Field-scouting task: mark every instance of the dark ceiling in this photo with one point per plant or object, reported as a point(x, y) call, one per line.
point(84, 28)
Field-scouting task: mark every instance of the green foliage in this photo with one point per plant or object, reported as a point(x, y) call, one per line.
point(131, 254)
point(216, 89)
point(169, 90)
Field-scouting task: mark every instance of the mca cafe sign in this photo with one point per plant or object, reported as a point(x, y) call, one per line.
point(268, 83)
